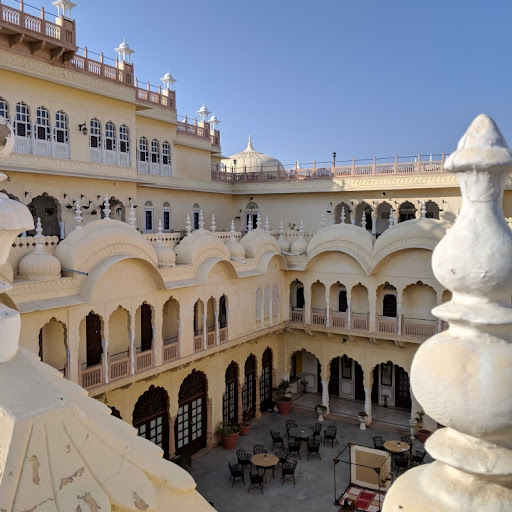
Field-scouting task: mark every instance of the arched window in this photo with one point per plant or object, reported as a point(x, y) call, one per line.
point(4, 108)
point(300, 298)
point(166, 153)
point(61, 127)
point(342, 301)
point(389, 305)
point(22, 122)
point(230, 398)
point(110, 136)
point(95, 134)
point(124, 139)
point(223, 313)
point(42, 131)
point(249, 388)
point(407, 211)
point(155, 151)
point(143, 149)
point(266, 401)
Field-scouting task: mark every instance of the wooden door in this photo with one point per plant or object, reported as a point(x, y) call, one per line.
point(402, 391)
point(93, 339)
point(249, 389)
point(146, 327)
point(230, 400)
point(266, 381)
point(334, 379)
point(359, 385)
point(375, 387)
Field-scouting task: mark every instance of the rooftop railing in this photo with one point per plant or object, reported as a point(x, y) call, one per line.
point(199, 129)
point(319, 171)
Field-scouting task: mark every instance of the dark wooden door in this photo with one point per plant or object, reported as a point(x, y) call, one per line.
point(249, 389)
point(146, 327)
point(389, 305)
point(359, 385)
point(375, 387)
point(334, 379)
point(230, 401)
point(402, 392)
point(93, 339)
point(266, 381)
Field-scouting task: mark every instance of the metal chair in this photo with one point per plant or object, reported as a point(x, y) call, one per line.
point(276, 439)
point(256, 481)
point(400, 462)
point(290, 424)
point(294, 446)
point(237, 473)
point(418, 457)
point(258, 448)
point(282, 455)
point(243, 457)
point(378, 443)
point(316, 429)
point(314, 448)
point(289, 471)
point(330, 434)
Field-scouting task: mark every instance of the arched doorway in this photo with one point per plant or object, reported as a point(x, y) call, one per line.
point(190, 426)
point(391, 386)
point(53, 349)
point(48, 210)
point(93, 339)
point(249, 389)
point(117, 209)
point(266, 401)
point(345, 207)
point(145, 320)
point(407, 211)
point(151, 417)
point(251, 215)
point(230, 399)
point(306, 368)
point(346, 378)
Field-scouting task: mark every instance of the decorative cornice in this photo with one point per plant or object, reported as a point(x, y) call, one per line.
point(195, 142)
point(30, 287)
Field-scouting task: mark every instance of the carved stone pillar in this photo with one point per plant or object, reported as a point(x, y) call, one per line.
point(368, 404)
point(399, 318)
point(349, 312)
point(240, 403)
point(172, 441)
point(105, 360)
point(325, 394)
point(131, 354)
point(462, 376)
point(374, 221)
point(327, 310)
point(205, 334)
point(217, 326)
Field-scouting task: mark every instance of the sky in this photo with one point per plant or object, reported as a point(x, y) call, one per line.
point(363, 78)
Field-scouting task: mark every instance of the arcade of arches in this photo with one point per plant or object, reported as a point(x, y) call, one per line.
point(181, 408)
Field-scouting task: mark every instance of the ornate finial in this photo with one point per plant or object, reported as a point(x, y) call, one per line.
point(213, 227)
point(456, 374)
point(258, 221)
point(322, 221)
point(188, 225)
point(281, 229)
point(391, 217)
point(201, 220)
point(363, 220)
point(132, 218)
point(342, 216)
point(301, 228)
point(249, 145)
point(232, 232)
point(160, 234)
point(106, 208)
point(39, 234)
point(78, 215)
point(267, 225)
point(423, 210)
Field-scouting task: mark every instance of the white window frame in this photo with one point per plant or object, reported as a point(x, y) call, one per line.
point(22, 119)
point(143, 149)
point(124, 139)
point(4, 108)
point(42, 126)
point(95, 131)
point(110, 136)
point(61, 126)
point(167, 211)
point(155, 151)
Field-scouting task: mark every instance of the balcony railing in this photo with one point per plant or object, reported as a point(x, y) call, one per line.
point(318, 317)
point(92, 376)
point(338, 319)
point(329, 172)
point(360, 321)
point(198, 341)
point(297, 316)
point(120, 367)
point(386, 324)
point(144, 360)
point(418, 327)
point(223, 335)
point(211, 338)
point(171, 349)
point(199, 129)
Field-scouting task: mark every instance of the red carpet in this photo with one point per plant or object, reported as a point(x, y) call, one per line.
point(367, 501)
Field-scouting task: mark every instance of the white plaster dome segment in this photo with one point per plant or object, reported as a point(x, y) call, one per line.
point(251, 160)
point(257, 242)
point(199, 244)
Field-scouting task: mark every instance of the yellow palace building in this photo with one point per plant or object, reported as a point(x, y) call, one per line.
point(179, 286)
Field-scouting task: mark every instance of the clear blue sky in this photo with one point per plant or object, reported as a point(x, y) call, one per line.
point(361, 77)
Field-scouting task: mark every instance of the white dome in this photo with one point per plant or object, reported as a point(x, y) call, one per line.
point(299, 246)
point(252, 161)
point(236, 249)
point(164, 254)
point(284, 244)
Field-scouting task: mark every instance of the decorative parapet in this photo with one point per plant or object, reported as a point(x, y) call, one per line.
point(462, 377)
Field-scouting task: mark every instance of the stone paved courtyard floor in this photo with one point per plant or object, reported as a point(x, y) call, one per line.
point(314, 490)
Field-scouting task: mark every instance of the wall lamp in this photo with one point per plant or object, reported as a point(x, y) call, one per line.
point(82, 128)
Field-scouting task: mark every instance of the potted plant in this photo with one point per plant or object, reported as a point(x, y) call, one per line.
point(321, 410)
point(228, 432)
point(423, 433)
point(362, 418)
point(245, 428)
point(284, 400)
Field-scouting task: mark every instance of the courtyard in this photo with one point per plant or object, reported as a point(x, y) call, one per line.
point(314, 489)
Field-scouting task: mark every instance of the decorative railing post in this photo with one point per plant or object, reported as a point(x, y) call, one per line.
point(462, 377)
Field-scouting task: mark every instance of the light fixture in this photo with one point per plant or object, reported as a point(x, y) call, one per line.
point(82, 128)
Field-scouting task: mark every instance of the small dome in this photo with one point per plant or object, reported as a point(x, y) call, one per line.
point(39, 265)
point(299, 246)
point(164, 253)
point(252, 161)
point(236, 249)
point(284, 244)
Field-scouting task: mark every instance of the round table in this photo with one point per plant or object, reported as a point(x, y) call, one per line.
point(301, 432)
point(265, 461)
point(397, 446)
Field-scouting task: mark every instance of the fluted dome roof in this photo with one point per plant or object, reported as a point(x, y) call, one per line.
point(252, 161)
point(164, 253)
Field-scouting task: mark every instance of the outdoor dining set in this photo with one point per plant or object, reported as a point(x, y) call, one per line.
point(263, 461)
point(403, 456)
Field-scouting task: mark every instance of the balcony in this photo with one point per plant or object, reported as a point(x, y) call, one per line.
point(386, 324)
point(171, 351)
point(92, 376)
point(318, 317)
point(418, 327)
point(338, 319)
point(199, 130)
point(297, 316)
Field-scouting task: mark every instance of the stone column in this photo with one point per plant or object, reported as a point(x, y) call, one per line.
point(327, 309)
point(307, 303)
point(158, 341)
point(349, 312)
point(172, 440)
point(217, 326)
point(325, 394)
point(131, 352)
point(374, 221)
point(368, 404)
point(462, 376)
point(106, 360)
point(205, 334)
point(399, 318)
point(179, 337)
point(240, 403)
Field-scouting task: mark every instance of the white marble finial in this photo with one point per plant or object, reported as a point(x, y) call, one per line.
point(188, 225)
point(267, 225)
point(363, 220)
point(232, 232)
point(391, 217)
point(281, 229)
point(301, 228)
point(39, 234)
point(201, 220)
point(423, 210)
point(258, 221)
point(342, 216)
point(132, 218)
point(213, 227)
point(322, 221)
point(462, 376)
point(106, 208)
point(78, 215)
point(160, 230)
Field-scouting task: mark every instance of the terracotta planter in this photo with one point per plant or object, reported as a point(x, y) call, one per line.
point(284, 406)
point(229, 442)
point(245, 430)
point(423, 434)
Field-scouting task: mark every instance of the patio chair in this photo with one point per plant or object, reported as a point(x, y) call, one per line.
point(243, 457)
point(256, 481)
point(289, 471)
point(418, 457)
point(314, 448)
point(276, 439)
point(316, 429)
point(294, 446)
point(282, 455)
point(290, 424)
point(378, 443)
point(237, 473)
point(258, 448)
point(330, 434)
point(400, 462)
